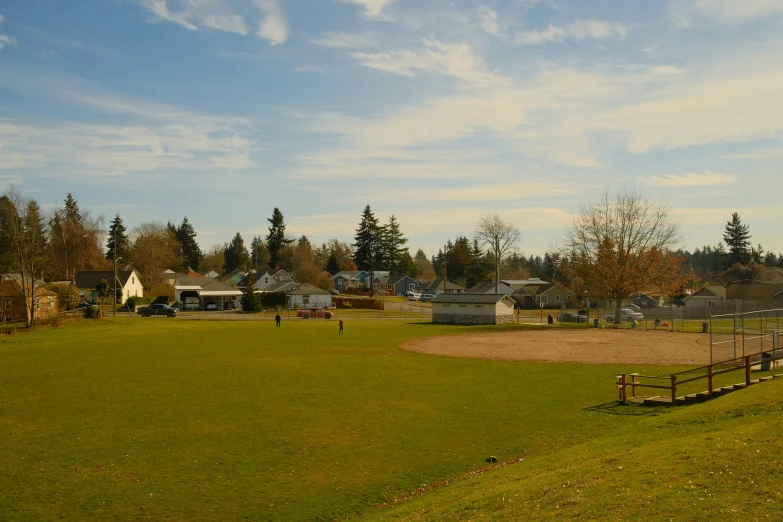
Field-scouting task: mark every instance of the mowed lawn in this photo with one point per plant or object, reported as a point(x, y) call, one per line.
point(160, 418)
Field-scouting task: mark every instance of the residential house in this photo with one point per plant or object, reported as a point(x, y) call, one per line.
point(277, 286)
point(706, 296)
point(544, 296)
point(396, 284)
point(194, 293)
point(211, 274)
point(488, 287)
point(128, 284)
point(516, 284)
point(437, 287)
point(233, 278)
point(309, 296)
point(473, 309)
point(350, 280)
point(15, 305)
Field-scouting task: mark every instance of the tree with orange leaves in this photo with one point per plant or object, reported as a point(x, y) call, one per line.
point(622, 245)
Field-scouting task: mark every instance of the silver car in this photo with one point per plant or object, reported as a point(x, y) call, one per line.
point(626, 314)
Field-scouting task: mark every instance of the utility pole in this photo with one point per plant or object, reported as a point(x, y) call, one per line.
point(445, 250)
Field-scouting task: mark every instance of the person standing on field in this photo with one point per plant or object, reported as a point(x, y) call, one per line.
point(341, 327)
point(277, 320)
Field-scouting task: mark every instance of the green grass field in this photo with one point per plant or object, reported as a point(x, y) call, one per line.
point(184, 420)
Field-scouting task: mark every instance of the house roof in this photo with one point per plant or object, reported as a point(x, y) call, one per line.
point(15, 283)
point(348, 274)
point(307, 289)
point(437, 284)
point(471, 298)
point(393, 280)
point(205, 286)
point(91, 278)
point(718, 291)
point(752, 292)
point(488, 287)
point(279, 286)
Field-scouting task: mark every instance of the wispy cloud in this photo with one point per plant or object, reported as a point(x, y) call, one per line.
point(683, 13)
point(488, 20)
point(5, 40)
point(194, 15)
point(691, 179)
point(345, 40)
point(372, 8)
point(579, 30)
point(309, 68)
point(456, 60)
point(273, 27)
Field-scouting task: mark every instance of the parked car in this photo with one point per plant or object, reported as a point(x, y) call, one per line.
point(413, 296)
point(334, 292)
point(229, 305)
point(425, 298)
point(211, 306)
point(570, 317)
point(157, 309)
point(626, 314)
point(408, 293)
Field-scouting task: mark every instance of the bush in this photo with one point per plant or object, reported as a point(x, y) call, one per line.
point(359, 304)
point(92, 312)
point(68, 296)
point(274, 300)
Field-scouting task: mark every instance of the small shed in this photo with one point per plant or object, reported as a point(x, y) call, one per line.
point(473, 309)
point(309, 296)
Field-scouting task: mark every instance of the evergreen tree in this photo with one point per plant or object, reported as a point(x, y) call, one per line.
point(276, 239)
point(251, 301)
point(236, 255)
point(367, 241)
point(332, 266)
point(737, 238)
point(479, 267)
point(117, 242)
point(191, 252)
point(393, 251)
point(259, 255)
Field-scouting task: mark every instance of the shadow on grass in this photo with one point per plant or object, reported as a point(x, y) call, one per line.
point(626, 408)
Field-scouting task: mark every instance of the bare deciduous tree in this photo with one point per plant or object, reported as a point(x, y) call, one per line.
point(155, 248)
point(27, 245)
point(622, 244)
point(499, 238)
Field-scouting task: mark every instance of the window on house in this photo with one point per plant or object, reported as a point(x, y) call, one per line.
point(7, 303)
point(710, 303)
point(49, 304)
point(557, 298)
point(543, 299)
point(37, 303)
point(266, 280)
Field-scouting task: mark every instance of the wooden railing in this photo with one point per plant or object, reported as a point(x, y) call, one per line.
point(672, 383)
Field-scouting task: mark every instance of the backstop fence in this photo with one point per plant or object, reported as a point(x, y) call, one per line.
point(740, 334)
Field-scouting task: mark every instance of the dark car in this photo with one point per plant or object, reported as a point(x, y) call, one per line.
point(570, 317)
point(156, 309)
point(229, 305)
point(210, 306)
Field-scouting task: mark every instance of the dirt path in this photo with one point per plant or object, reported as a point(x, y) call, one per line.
point(573, 346)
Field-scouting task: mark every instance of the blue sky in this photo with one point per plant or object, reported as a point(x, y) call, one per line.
point(437, 112)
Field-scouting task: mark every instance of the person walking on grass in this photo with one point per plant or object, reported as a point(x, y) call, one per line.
point(277, 320)
point(341, 327)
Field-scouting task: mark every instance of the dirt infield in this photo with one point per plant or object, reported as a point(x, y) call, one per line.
point(592, 346)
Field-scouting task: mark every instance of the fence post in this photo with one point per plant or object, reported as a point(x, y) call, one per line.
point(674, 389)
point(709, 378)
point(622, 387)
point(747, 370)
point(634, 382)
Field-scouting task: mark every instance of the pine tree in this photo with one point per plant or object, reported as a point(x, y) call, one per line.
point(276, 239)
point(117, 242)
point(393, 250)
point(191, 254)
point(479, 267)
point(367, 241)
point(251, 302)
point(236, 255)
point(737, 238)
point(259, 255)
point(332, 266)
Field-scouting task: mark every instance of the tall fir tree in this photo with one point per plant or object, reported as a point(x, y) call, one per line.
point(393, 251)
point(479, 268)
point(259, 255)
point(367, 244)
point(737, 238)
point(332, 265)
point(236, 255)
point(251, 301)
point(191, 252)
point(276, 239)
point(117, 241)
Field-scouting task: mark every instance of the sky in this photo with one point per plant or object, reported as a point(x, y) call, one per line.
point(437, 112)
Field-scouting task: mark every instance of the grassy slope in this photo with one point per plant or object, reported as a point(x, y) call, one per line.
point(720, 460)
point(201, 420)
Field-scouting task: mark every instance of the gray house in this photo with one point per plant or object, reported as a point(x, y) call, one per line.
point(396, 284)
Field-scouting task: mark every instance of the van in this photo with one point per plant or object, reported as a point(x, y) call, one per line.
point(413, 296)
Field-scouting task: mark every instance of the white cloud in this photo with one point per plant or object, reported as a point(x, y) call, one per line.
point(488, 20)
point(455, 60)
point(691, 179)
point(372, 8)
point(200, 14)
point(579, 30)
point(309, 68)
point(5, 40)
point(683, 12)
point(273, 27)
point(345, 40)
point(755, 154)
